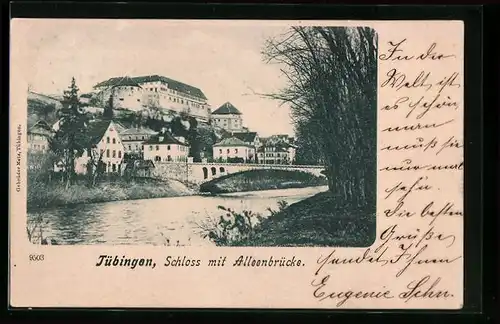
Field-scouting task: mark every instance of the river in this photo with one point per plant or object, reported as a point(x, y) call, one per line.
point(160, 221)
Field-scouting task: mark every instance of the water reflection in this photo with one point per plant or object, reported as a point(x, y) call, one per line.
point(161, 221)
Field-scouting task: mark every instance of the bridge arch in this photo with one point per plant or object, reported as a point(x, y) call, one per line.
point(222, 170)
point(205, 173)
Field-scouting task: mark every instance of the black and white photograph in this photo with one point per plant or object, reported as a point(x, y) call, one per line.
point(201, 134)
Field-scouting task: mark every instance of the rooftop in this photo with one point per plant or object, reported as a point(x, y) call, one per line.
point(232, 141)
point(138, 131)
point(96, 130)
point(164, 138)
point(41, 128)
point(247, 137)
point(226, 109)
point(136, 81)
point(118, 81)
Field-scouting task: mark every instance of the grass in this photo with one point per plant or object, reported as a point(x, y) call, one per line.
point(317, 221)
point(42, 195)
point(254, 180)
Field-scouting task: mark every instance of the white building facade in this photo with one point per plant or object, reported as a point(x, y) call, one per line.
point(133, 138)
point(166, 148)
point(233, 150)
point(228, 117)
point(39, 136)
point(106, 146)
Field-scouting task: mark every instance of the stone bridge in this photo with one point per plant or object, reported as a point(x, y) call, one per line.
point(199, 172)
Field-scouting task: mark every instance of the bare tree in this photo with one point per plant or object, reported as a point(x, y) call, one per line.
point(331, 74)
point(95, 165)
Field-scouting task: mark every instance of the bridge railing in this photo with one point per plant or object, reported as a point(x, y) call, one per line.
point(277, 166)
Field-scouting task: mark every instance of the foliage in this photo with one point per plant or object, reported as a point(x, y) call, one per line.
point(332, 74)
point(233, 227)
point(70, 141)
point(263, 179)
point(108, 110)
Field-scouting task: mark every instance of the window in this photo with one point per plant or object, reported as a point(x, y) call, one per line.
point(227, 151)
point(114, 167)
point(143, 137)
point(107, 153)
point(138, 100)
point(142, 148)
point(169, 158)
point(157, 158)
point(236, 151)
point(114, 140)
point(220, 151)
point(157, 147)
point(119, 154)
point(121, 99)
point(130, 147)
point(168, 147)
point(150, 147)
point(89, 153)
point(102, 152)
point(107, 139)
point(114, 153)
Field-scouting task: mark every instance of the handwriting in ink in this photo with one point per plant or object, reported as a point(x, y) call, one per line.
point(416, 127)
point(406, 190)
point(394, 53)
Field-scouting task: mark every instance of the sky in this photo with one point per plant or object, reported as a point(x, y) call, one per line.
point(225, 62)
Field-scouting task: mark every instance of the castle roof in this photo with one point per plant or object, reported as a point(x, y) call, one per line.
point(117, 82)
point(136, 81)
point(226, 109)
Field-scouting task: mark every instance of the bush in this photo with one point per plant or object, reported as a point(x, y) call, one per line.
point(234, 227)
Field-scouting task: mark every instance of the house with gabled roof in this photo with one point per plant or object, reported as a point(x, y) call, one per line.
point(233, 150)
point(132, 138)
point(228, 117)
point(104, 146)
point(38, 137)
point(164, 147)
point(276, 153)
point(250, 138)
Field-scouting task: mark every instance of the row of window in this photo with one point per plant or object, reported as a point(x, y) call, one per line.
point(228, 151)
point(276, 154)
point(112, 167)
point(235, 121)
point(35, 137)
point(169, 159)
point(38, 147)
point(137, 138)
point(113, 140)
point(109, 153)
point(182, 148)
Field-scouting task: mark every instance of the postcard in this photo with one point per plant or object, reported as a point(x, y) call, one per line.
point(236, 164)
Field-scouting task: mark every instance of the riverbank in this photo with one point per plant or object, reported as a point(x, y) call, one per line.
point(256, 180)
point(316, 221)
point(42, 195)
